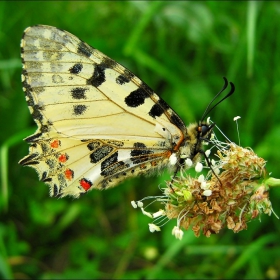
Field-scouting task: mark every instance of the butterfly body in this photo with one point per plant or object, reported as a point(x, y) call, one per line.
point(97, 122)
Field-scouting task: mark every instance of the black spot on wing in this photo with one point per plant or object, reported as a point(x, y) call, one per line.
point(47, 180)
point(109, 161)
point(100, 153)
point(55, 190)
point(113, 169)
point(125, 77)
point(139, 145)
point(33, 137)
point(78, 93)
point(76, 69)
point(98, 77)
point(36, 114)
point(156, 111)
point(121, 79)
point(79, 109)
point(29, 160)
point(159, 108)
point(140, 153)
point(136, 98)
point(44, 176)
point(45, 128)
point(84, 49)
point(93, 145)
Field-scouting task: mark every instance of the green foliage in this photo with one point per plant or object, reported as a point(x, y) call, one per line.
point(182, 50)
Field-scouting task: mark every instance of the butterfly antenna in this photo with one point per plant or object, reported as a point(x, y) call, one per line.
point(207, 111)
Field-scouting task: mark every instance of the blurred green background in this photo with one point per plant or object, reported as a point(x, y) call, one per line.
point(181, 50)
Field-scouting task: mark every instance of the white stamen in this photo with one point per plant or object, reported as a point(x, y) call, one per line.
point(201, 179)
point(140, 204)
point(177, 232)
point(207, 153)
point(198, 167)
point(173, 159)
point(134, 205)
point(159, 213)
point(203, 185)
point(188, 162)
point(235, 119)
point(207, 193)
point(153, 228)
point(216, 170)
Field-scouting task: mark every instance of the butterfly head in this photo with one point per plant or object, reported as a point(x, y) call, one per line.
point(197, 134)
point(204, 131)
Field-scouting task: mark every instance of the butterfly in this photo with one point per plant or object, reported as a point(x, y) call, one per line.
point(98, 124)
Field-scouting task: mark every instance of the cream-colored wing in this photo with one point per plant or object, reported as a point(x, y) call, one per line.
point(84, 103)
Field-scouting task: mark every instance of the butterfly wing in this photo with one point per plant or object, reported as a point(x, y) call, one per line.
point(97, 122)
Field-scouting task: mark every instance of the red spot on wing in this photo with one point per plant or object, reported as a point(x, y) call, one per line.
point(85, 184)
point(69, 174)
point(63, 158)
point(55, 144)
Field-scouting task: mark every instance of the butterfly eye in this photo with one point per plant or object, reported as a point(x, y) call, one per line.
point(204, 130)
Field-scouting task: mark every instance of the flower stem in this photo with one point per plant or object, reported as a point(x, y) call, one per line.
point(272, 182)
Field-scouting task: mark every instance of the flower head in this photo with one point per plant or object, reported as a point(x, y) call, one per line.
point(234, 191)
point(229, 200)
